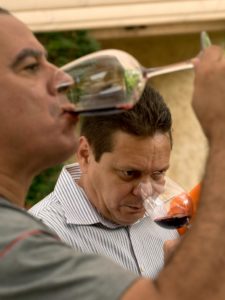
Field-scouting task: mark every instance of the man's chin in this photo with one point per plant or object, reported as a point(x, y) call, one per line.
point(132, 218)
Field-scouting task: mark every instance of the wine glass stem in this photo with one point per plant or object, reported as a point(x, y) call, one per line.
point(151, 72)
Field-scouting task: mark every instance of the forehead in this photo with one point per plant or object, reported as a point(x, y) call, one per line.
point(15, 36)
point(142, 152)
point(127, 142)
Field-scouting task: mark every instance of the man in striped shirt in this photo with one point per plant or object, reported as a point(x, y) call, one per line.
point(96, 205)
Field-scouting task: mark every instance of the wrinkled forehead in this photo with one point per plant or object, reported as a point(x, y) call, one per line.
point(14, 36)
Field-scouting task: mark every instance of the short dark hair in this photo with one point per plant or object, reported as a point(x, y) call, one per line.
point(149, 116)
point(4, 11)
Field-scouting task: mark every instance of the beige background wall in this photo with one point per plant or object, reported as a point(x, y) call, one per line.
point(190, 147)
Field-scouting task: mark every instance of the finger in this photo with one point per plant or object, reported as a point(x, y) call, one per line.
point(211, 54)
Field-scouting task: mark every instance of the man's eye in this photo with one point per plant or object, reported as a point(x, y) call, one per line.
point(158, 176)
point(129, 174)
point(32, 67)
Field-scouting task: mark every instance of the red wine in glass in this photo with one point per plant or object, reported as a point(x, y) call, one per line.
point(172, 208)
point(173, 222)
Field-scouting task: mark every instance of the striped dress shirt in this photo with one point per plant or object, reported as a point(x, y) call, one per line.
point(137, 247)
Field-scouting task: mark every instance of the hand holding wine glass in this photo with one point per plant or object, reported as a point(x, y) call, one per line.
point(171, 208)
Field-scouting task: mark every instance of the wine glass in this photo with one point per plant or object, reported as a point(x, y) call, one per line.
point(110, 81)
point(171, 207)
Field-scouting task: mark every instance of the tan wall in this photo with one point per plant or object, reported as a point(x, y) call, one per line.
point(190, 147)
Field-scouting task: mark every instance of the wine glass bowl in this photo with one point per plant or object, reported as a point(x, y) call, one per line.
point(107, 80)
point(172, 208)
point(110, 81)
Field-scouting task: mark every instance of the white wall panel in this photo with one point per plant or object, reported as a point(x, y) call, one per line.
point(47, 15)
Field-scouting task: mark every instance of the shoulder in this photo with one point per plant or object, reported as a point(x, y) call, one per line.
point(48, 210)
point(45, 263)
point(15, 221)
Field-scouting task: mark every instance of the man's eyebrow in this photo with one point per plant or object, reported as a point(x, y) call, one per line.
point(27, 52)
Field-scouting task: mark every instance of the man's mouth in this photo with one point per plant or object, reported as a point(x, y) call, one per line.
point(136, 207)
point(70, 110)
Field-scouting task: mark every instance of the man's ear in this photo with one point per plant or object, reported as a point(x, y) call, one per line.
point(83, 154)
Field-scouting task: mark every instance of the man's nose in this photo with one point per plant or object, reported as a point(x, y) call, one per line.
point(143, 190)
point(60, 82)
point(148, 188)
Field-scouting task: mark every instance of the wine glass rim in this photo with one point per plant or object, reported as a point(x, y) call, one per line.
point(96, 54)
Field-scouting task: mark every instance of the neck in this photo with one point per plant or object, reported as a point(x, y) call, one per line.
point(13, 190)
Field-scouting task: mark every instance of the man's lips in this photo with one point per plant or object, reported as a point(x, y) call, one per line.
point(69, 109)
point(136, 206)
point(71, 116)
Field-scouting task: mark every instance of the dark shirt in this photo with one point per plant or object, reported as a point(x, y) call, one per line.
point(35, 264)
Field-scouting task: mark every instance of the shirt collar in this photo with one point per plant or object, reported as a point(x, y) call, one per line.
point(74, 202)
